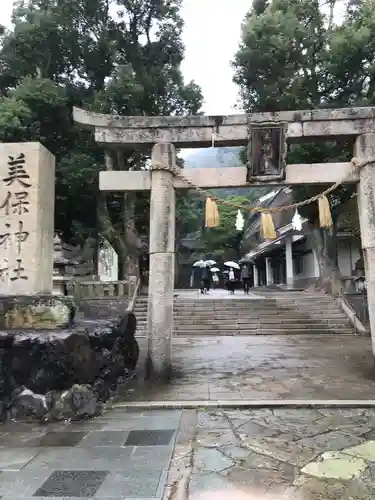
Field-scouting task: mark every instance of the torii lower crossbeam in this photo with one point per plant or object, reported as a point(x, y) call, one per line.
point(315, 173)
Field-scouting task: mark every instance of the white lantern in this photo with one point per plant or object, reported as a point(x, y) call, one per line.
point(240, 222)
point(297, 221)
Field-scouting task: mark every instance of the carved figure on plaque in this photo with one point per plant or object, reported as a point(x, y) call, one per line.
point(266, 152)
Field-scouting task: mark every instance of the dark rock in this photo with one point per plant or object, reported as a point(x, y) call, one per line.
point(101, 390)
point(126, 344)
point(51, 398)
point(7, 381)
point(127, 325)
point(77, 402)
point(26, 404)
point(71, 369)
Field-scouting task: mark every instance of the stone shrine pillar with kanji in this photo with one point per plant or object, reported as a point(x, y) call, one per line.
point(27, 203)
point(27, 199)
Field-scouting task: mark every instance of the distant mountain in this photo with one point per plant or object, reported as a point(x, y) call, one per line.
point(221, 157)
point(214, 157)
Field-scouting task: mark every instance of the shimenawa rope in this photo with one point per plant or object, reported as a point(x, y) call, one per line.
point(321, 198)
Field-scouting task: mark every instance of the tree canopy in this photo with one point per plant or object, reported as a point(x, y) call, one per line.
point(112, 56)
point(293, 56)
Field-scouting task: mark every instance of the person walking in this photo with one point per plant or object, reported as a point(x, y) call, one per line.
point(215, 280)
point(231, 281)
point(206, 280)
point(245, 279)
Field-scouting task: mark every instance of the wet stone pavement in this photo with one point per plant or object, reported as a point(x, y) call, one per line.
point(263, 454)
point(264, 368)
point(316, 454)
point(118, 456)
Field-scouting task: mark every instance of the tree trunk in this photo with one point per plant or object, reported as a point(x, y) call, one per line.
point(131, 262)
point(177, 258)
point(324, 244)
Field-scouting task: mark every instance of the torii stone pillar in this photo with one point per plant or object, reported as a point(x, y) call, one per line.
point(365, 150)
point(161, 275)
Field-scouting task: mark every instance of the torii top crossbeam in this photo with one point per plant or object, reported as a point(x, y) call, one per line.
point(232, 130)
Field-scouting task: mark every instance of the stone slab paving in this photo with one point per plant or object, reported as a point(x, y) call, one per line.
point(119, 456)
point(264, 368)
point(280, 454)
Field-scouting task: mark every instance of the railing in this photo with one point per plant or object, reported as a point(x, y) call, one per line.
point(96, 289)
point(352, 314)
point(132, 301)
point(358, 302)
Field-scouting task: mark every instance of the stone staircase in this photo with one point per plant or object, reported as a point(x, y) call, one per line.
point(277, 314)
point(273, 313)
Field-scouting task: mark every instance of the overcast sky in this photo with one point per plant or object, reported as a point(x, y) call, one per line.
point(211, 37)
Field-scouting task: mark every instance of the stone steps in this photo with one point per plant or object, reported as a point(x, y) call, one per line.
point(258, 325)
point(192, 320)
point(279, 313)
point(252, 326)
point(276, 308)
point(255, 325)
point(260, 311)
point(242, 332)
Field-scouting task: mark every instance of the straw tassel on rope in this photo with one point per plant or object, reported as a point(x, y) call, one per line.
point(212, 213)
point(325, 216)
point(267, 225)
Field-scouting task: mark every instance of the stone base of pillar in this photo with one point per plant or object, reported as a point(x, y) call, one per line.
point(290, 283)
point(160, 373)
point(160, 316)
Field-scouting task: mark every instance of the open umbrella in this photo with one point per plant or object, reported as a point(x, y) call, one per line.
point(210, 262)
point(215, 269)
point(199, 263)
point(230, 263)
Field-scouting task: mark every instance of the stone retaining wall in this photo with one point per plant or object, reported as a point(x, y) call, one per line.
point(65, 374)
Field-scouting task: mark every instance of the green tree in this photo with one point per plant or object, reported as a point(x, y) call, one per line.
point(223, 242)
point(292, 56)
point(66, 53)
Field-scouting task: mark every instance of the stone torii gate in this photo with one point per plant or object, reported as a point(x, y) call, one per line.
point(162, 134)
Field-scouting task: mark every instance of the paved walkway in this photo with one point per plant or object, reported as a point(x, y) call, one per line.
point(266, 368)
point(316, 454)
point(274, 455)
point(119, 456)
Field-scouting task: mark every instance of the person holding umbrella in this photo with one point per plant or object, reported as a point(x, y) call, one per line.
point(231, 276)
point(231, 281)
point(206, 279)
point(204, 267)
point(245, 278)
point(215, 277)
point(198, 273)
